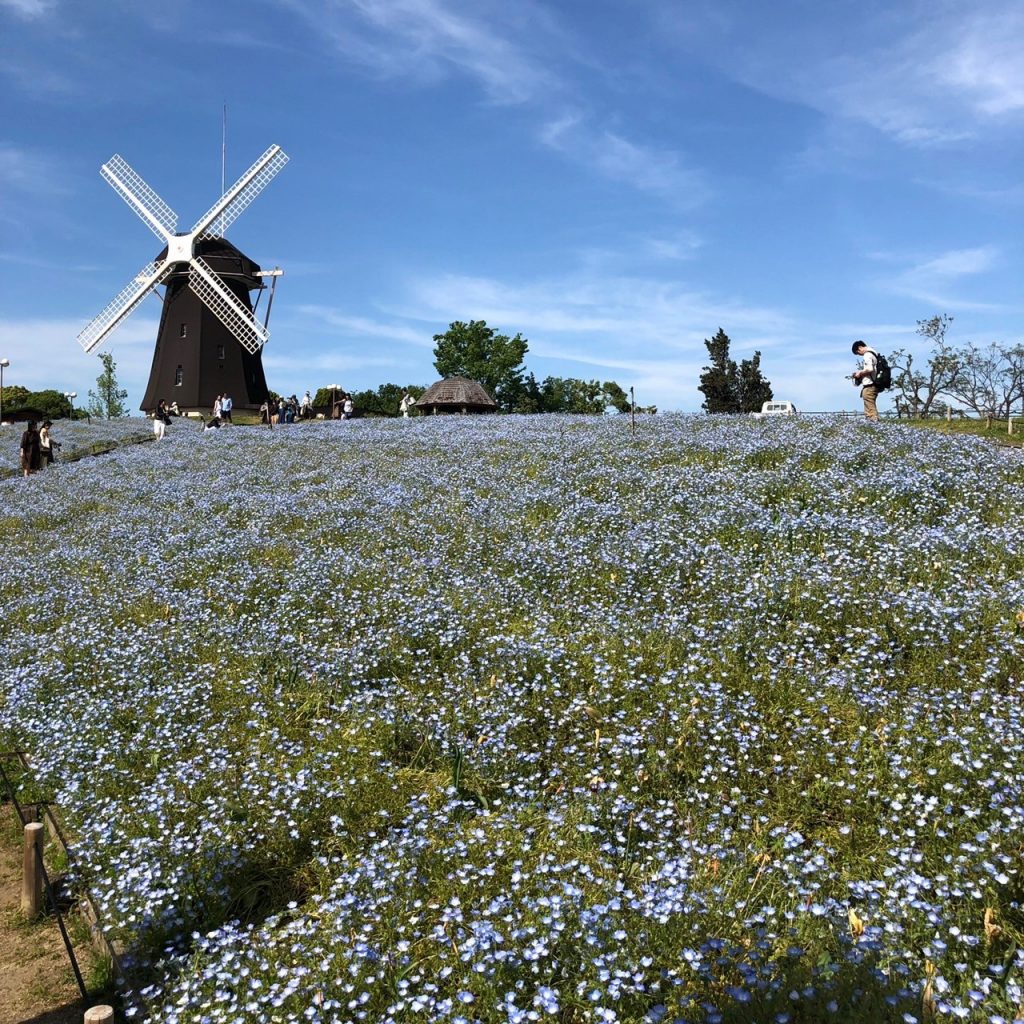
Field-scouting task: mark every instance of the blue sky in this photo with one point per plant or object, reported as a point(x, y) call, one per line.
point(614, 180)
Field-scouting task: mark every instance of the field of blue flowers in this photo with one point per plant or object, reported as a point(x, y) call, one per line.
point(528, 718)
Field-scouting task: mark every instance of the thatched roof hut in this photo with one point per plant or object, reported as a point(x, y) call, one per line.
point(456, 394)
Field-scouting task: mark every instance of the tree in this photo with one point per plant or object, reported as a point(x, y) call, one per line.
point(918, 391)
point(385, 401)
point(752, 388)
point(15, 396)
point(718, 381)
point(474, 350)
point(107, 401)
point(615, 396)
point(51, 403)
point(324, 396)
point(569, 395)
point(990, 380)
point(728, 388)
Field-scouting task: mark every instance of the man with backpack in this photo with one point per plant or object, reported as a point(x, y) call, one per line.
point(874, 376)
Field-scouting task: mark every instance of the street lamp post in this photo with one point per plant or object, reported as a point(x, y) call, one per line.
point(3, 363)
point(71, 396)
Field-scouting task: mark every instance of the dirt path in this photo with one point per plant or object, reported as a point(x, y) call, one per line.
point(37, 984)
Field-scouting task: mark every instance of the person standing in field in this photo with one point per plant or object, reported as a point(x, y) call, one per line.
point(31, 457)
point(160, 419)
point(226, 405)
point(217, 406)
point(406, 404)
point(866, 378)
point(46, 445)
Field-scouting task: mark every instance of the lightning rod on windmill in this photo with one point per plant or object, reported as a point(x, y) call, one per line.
point(223, 158)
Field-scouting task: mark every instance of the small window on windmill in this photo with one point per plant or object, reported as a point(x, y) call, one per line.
point(220, 353)
point(179, 377)
point(183, 332)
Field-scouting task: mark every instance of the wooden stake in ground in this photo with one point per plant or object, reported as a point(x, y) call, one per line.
point(100, 1015)
point(31, 873)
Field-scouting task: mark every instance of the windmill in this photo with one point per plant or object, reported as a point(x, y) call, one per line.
point(209, 341)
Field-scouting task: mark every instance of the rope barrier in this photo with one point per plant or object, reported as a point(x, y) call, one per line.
point(12, 793)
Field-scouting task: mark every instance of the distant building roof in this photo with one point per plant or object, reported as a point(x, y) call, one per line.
point(456, 394)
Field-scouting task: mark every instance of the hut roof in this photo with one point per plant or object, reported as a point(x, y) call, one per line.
point(456, 392)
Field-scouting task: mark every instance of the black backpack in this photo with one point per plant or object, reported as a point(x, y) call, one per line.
point(883, 372)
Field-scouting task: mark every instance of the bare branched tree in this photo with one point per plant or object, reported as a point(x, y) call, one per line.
point(917, 391)
point(991, 380)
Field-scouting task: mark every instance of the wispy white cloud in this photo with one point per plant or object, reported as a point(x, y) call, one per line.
point(517, 55)
point(291, 367)
point(29, 8)
point(44, 354)
point(983, 65)
point(938, 279)
point(1009, 195)
point(925, 74)
point(339, 322)
point(27, 171)
point(21, 259)
point(646, 168)
point(631, 311)
point(649, 330)
point(431, 39)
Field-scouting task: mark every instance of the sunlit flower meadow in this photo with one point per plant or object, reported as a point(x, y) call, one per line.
point(521, 719)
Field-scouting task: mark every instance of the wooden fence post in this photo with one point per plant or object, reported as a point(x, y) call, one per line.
point(100, 1015)
point(31, 875)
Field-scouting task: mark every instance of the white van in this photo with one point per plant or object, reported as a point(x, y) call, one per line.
point(776, 409)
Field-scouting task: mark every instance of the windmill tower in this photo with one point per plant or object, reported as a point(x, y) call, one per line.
point(209, 341)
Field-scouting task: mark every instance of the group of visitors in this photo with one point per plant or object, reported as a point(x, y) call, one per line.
point(37, 447)
point(286, 410)
point(222, 406)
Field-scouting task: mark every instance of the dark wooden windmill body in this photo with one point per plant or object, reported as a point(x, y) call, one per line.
point(197, 357)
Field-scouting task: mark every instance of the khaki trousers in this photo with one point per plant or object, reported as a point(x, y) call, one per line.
point(870, 395)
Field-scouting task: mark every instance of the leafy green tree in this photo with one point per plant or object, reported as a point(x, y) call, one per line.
point(107, 401)
point(569, 394)
point(50, 403)
point(751, 386)
point(476, 351)
point(615, 396)
point(718, 382)
point(385, 401)
point(526, 397)
point(15, 396)
point(324, 396)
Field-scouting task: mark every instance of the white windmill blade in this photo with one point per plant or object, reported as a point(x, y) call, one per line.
point(155, 213)
point(123, 303)
point(225, 211)
point(232, 313)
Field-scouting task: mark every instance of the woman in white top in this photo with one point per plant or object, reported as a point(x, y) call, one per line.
point(46, 444)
